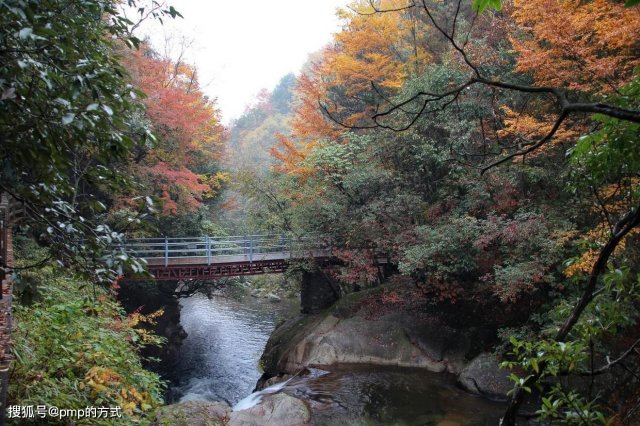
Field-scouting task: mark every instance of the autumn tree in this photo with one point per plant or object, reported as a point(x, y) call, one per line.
point(371, 51)
point(542, 100)
point(66, 120)
point(553, 40)
point(181, 167)
point(251, 137)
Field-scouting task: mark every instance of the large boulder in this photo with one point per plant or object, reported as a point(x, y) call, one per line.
point(278, 409)
point(342, 335)
point(483, 376)
point(192, 413)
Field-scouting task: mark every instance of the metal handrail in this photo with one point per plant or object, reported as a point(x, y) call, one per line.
point(208, 247)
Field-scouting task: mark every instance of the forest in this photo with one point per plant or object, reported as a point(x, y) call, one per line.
point(487, 149)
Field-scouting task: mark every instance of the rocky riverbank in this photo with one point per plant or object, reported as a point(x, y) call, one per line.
point(278, 409)
point(352, 333)
point(356, 331)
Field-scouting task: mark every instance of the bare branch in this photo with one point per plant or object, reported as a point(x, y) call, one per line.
point(455, 20)
point(144, 16)
point(326, 111)
point(605, 109)
point(531, 148)
point(378, 10)
point(450, 39)
point(618, 360)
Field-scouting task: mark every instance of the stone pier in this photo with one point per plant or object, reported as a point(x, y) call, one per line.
point(318, 292)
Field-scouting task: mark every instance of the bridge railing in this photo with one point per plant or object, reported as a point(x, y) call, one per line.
point(212, 249)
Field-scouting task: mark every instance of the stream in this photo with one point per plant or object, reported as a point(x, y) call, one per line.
point(219, 362)
point(219, 358)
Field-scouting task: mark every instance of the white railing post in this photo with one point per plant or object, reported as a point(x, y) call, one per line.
point(208, 248)
point(250, 249)
point(166, 252)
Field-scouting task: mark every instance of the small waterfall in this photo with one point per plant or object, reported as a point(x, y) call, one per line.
point(300, 378)
point(256, 397)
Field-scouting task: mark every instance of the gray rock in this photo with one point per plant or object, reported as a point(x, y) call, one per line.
point(483, 376)
point(279, 409)
point(192, 413)
point(394, 340)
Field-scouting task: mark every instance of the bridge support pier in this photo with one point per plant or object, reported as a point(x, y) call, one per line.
point(318, 292)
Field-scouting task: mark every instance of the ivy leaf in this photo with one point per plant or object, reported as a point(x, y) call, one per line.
point(25, 32)
point(107, 109)
point(68, 118)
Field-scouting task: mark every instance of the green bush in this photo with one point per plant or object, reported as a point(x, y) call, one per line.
point(75, 348)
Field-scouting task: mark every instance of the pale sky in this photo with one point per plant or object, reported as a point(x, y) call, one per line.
point(242, 46)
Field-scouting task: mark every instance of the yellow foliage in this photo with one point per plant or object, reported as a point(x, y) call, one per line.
point(214, 182)
point(108, 383)
point(136, 319)
point(526, 129)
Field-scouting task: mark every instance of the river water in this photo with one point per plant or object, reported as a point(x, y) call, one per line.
point(219, 358)
point(219, 362)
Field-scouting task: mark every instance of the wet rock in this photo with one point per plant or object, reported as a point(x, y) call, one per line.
point(264, 383)
point(279, 409)
point(483, 376)
point(192, 413)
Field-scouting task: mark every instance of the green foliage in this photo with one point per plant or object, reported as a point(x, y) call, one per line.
point(610, 153)
point(612, 311)
point(570, 408)
point(67, 120)
point(482, 5)
point(496, 240)
point(442, 251)
point(75, 348)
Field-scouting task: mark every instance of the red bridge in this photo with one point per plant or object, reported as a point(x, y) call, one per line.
point(172, 259)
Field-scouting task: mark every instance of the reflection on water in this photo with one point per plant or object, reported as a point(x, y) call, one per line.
point(219, 357)
point(219, 362)
point(367, 395)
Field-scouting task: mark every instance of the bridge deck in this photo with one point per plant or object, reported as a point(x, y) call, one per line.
point(213, 257)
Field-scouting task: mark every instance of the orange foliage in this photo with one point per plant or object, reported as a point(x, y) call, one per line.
point(187, 124)
point(587, 259)
point(291, 156)
point(370, 49)
point(582, 46)
point(588, 46)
